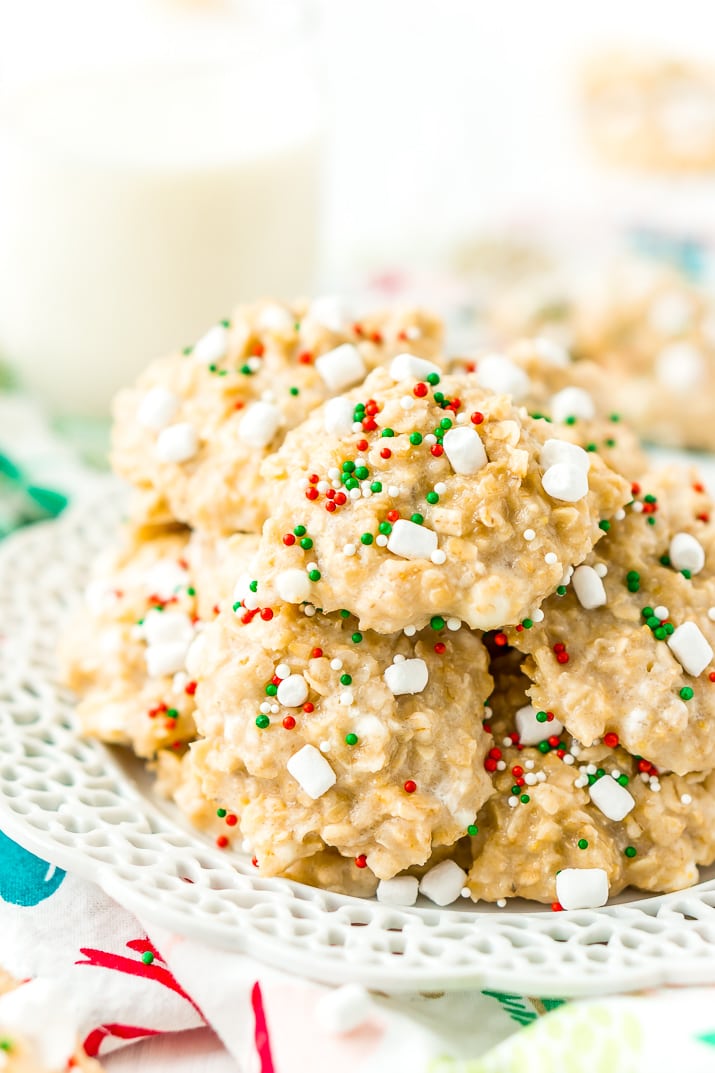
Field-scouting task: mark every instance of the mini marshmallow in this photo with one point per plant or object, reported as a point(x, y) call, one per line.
point(443, 883)
point(613, 800)
point(343, 1009)
point(411, 541)
point(242, 588)
point(260, 424)
point(341, 368)
point(165, 658)
point(589, 588)
point(555, 451)
point(565, 482)
point(161, 626)
point(686, 553)
point(582, 888)
point(496, 373)
point(691, 648)
point(176, 443)
point(680, 367)
point(465, 450)
point(165, 577)
point(312, 771)
point(157, 408)
point(275, 318)
point(329, 311)
point(572, 402)
point(407, 366)
point(530, 730)
point(408, 676)
point(338, 416)
point(550, 351)
point(293, 691)
point(212, 346)
point(293, 586)
point(401, 890)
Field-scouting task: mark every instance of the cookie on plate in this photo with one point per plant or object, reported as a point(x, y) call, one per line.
point(627, 646)
point(559, 805)
point(317, 734)
point(125, 652)
point(190, 435)
point(416, 496)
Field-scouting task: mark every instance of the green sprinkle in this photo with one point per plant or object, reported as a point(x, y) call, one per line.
point(225, 323)
point(348, 467)
point(604, 526)
point(633, 586)
point(472, 830)
point(346, 679)
point(445, 423)
point(191, 591)
point(630, 851)
point(432, 497)
point(610, 443)
point(344, 613)
point(356, 638)
point(172, 713)
point(236, 605)
point(650, 499)
point(271, 689)
point(366, 538)
point(415, 438)
point(253, 586)
point(147, 957)
point(294, 390)
point(376, 486)
point(314, 575)
point(417, 519)
point(570, 421)
point(615, 417)
point(187, 350)
point(687, 574)
point(633, 575)
point(591, 447)
point(527, 623)
point(561, 590)
point(665, 560)
point(437, 622)
point(362, 472)
point(651, 519)
point(600, 773)
point(543, 747)
point(525, 799)
point(660, 633)
point(516, 790)
point(669, 628)
point(213, 367)
point(439, 397)
point(387, 432)
point(591, 780)
point(262, 721)
point(306, 543)
point(582, 843)
point(647, 612)
point(686, 693)
point(247, 370)
point(385, 528)
point(351, 739)
point(220, 812)
point(299, 531)
point(433, 379)
point(541, 717)
point(351, 483)
point(623, 780)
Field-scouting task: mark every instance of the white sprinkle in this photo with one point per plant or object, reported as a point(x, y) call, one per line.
point(401, 890)
point(265, 707)
point(407, 402)
point(176, 443)
point(501, 902)
point(293, 586)
point(438, 557)
point(661, 612)
point(349, 549)
point(440, 488)
point(381, 540)
point(711, 614)
point(430, 439)
point(582, 888)
point(601, 569)
point(268, 396)
point(407, 366)
point(322, 487)
point(157, 408)
point(355, 493)
point(569, 759)
point(292, 691)
point(443, 883)
point(309, 610)
point(529, 765)
point(461, 419)
point(334, 472)
point(691, 648)
point(613, 800)
point(212, 346)
point(346, 699)
point(637, 507)
point(341, 368)
point(275, 318)
point(655, 787)
point(464, 892)
point(312, 771)
point(512, 802)
point(551, 558)
point(260, 424)
point(589, 588)
point(500, 375)
point(254, 364)
point(324, 746)
point(537, 615)
point(410, 631)
point(680, 367)
point(275, 709)
point(686, 799)
point(393, 490)
point(465, 451)
point(686, 553)
point(409, 676)
point(555, 451)
point(530, 778)
point(454, 624)
point(530, 730)
point(336, 665)
point(529, 534)
point(411, 541)
point(565, 482)
point(311, 566)
point(572, 402)
point(501, 765)
point(357, 427)
point(619, 515)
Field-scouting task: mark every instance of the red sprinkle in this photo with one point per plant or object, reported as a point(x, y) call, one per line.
point(410, 786)
point(369, 424)
point(231, 820)
point(289, 540)
point(305, 357)
point(239, 404)
point(190, 688)
point(553, 741)
point(420, 390)
point(362, 445)
point(517, 771)
point(557, 907)
point(376, 337)
point(489, 764)
point(361, 861)
point(562, 657)
point(289, 722)
point(500, 639)
point(711, 676)
point(311, 493)
point(635, 489)
point(495, 753)
point(340, 498)
point(437, 450)
point(393, 515)
point(258, 350)
point(330, 494)
point(477, 418)
point(385, 453)
point(440, 648)
point(698, 487)
point(309, 707)
point(267, 614)
point(222, 841)
point(314, 478)
point(316, 653)
point(330, 506)
point(357, 328)
point(611, 740)
point(254, 862)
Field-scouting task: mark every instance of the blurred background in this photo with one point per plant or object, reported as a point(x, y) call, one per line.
point(161, 160)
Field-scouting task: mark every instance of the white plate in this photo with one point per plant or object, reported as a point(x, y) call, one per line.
point(91, 810)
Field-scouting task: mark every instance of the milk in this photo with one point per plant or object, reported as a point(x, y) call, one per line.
point(136, 207)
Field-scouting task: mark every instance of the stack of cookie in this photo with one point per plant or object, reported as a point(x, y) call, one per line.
point(395, 624)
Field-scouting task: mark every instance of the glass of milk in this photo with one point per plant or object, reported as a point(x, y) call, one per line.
point(141, 198)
